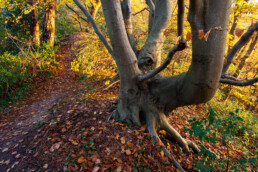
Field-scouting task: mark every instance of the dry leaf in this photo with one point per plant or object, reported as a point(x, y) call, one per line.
point(225, 61)
point(119, 169)
point(239, 32)
point(95, 169)
point(122, 140)
point(130, 144)
point(55, 147)
point(218, 28)
point(207, 35)
point(178, 38)
point(45, 166)
point(4, 150)
point(189, 36)
point(201, 34)
point(80, 160)
point(128, 152)
point(74, 143)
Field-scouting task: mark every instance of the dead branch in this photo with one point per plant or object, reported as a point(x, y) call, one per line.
point(141, 11)
point(79, 16)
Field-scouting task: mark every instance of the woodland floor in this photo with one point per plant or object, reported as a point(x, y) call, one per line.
point(62, 125)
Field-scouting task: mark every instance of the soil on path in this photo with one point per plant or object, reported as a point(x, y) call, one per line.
point(22, 120)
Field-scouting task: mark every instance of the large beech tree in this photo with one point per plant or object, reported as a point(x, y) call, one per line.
point(144, 93)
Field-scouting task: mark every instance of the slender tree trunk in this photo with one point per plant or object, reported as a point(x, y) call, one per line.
point(227, 90)
point(34, 23)
point(127, 12)
point(247, 54)
point(49, 23)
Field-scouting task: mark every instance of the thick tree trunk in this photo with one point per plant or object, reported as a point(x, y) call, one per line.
point(49, 23)
point(34, 23)
point(153, 99)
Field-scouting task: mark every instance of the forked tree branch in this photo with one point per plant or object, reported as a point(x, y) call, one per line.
point(237, 83)
point(179, 47)
point(95, 26)
point(242, 41)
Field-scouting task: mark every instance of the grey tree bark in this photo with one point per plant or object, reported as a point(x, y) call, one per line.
point(147, 96)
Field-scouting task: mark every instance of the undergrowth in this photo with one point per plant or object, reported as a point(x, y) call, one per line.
point(18, 70)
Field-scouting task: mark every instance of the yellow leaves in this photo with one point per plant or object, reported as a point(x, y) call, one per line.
point(239, 32)
point(189, 36)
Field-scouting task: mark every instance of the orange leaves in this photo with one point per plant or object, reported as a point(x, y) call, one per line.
point(80, 160)
point(130, 144)
point(189, 36)
point(128, 152)
point(239, 32)
point(207, 35)
point(201, 33)
point(225, 61)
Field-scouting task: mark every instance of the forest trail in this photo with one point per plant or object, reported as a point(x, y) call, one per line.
point(22, 120)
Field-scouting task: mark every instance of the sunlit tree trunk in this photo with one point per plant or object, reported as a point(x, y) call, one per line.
point(34, 23)
point(49, 22)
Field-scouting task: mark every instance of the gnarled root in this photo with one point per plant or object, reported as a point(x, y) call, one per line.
point(159, 122)
point(151, 126)
point(174, 135)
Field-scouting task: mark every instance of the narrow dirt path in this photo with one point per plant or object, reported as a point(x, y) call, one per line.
point(21, 122)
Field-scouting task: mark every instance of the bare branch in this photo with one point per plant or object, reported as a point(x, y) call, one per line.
point(96, 29)
point(234, 78)
point(242, 41)
point(79, 16)
point(180, 18)
point(179, 47)
point(237, 83)
point(141, 11)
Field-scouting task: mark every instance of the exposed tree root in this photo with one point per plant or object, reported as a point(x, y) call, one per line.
point(155, 121)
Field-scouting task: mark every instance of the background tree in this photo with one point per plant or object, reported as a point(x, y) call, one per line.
point(34, 22)
point(49, 22)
